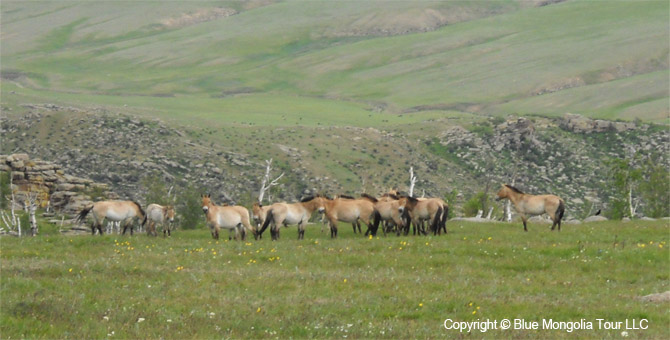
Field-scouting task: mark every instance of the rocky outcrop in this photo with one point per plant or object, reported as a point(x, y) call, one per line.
point(580, 124)
point(61, 192)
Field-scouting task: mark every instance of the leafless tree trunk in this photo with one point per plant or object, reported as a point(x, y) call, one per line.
point(265, 185)
point(488, 216)
point(13, 222)
point(30, 205)
point(412, 180)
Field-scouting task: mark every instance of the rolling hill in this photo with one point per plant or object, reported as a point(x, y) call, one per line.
point(344, 95)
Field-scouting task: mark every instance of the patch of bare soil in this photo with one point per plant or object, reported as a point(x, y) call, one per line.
point(388, 23)
point(198, 16)
point(658, 297)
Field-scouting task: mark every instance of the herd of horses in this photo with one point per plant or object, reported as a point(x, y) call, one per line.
point(393, 211)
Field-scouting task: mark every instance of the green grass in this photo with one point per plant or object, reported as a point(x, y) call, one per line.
point(606, 60)
point(190, 286)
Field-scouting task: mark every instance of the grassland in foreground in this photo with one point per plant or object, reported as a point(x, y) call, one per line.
point(190, 286)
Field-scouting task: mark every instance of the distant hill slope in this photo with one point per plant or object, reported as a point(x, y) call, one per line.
point(303, 62)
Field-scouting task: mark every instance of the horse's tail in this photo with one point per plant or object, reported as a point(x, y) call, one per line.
point(437, 219)
point(144, 219)
point(445, 215)
point(268, 217)
point(82, 215)
point(560, 211)
point(376, 220)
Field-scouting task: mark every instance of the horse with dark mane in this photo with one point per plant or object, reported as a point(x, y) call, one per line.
point(285, 214)
point(533, 205)
point(117, 211)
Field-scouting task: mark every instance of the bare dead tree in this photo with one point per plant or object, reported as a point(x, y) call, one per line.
point(11, 223)
point(30, 204)
point(267, 184)
point(412, 180)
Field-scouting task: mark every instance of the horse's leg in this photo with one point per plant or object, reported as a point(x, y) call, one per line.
point(333, 229)
point(354, 226)
point(301, 230)
point(523, 218)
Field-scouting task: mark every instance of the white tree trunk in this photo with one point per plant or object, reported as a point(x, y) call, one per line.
point(508, 211)
point(630, 202)
point(412, 181)
point(33, 220)
point(488, 216)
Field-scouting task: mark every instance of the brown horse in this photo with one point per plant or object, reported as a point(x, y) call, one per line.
point(158, 214)
point(350, 211)
point(422, 210)
point(387, 207)
point(235, 218)
point(285, 214)
point(533, 205)
point(118, 211)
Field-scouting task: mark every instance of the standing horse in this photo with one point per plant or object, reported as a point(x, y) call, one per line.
point(533, 205)
point(118, 211)
point(285, 214)
point(259, 213)
point(387, 207)
point(442, 224)
point(158, 214)
point(235, 218)
point(351, 210)
point(422, 210)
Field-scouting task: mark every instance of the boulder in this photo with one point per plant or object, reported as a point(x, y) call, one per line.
point(595, 219)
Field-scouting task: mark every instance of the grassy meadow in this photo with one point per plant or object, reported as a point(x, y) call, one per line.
point(315, 58)
point(190, 286)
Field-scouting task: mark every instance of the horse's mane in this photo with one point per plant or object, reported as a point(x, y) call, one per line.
point(368, 197)
point(346, 197)
point(514, 189)
point(410, 198)
point(139, 207)
point(390, 195)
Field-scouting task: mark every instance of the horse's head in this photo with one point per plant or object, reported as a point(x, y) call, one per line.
point(317, 202)
point(406, 203)
point(206, 202)
point(169, 211)
point(257, 212)
point(502, 193)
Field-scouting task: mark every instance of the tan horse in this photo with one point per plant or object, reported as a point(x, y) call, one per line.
point(259, 213)
point(430, 210)
point(533, 205)
point(158, 214)
point(235, 218)
point(350, 211)
point(442, 224)
point(387, 207)
point(285, 214)
point(118, 211)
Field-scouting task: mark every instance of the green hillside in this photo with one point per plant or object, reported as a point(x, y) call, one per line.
point(341, 63)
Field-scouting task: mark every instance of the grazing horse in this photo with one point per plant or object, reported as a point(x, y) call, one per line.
point(387, 207)
point(118, 211)
point(422, 210)
point(158, 214)
point(532, 205)
point(259, 212)
point(350, 211)
point(235, 218)
point(285, 214)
